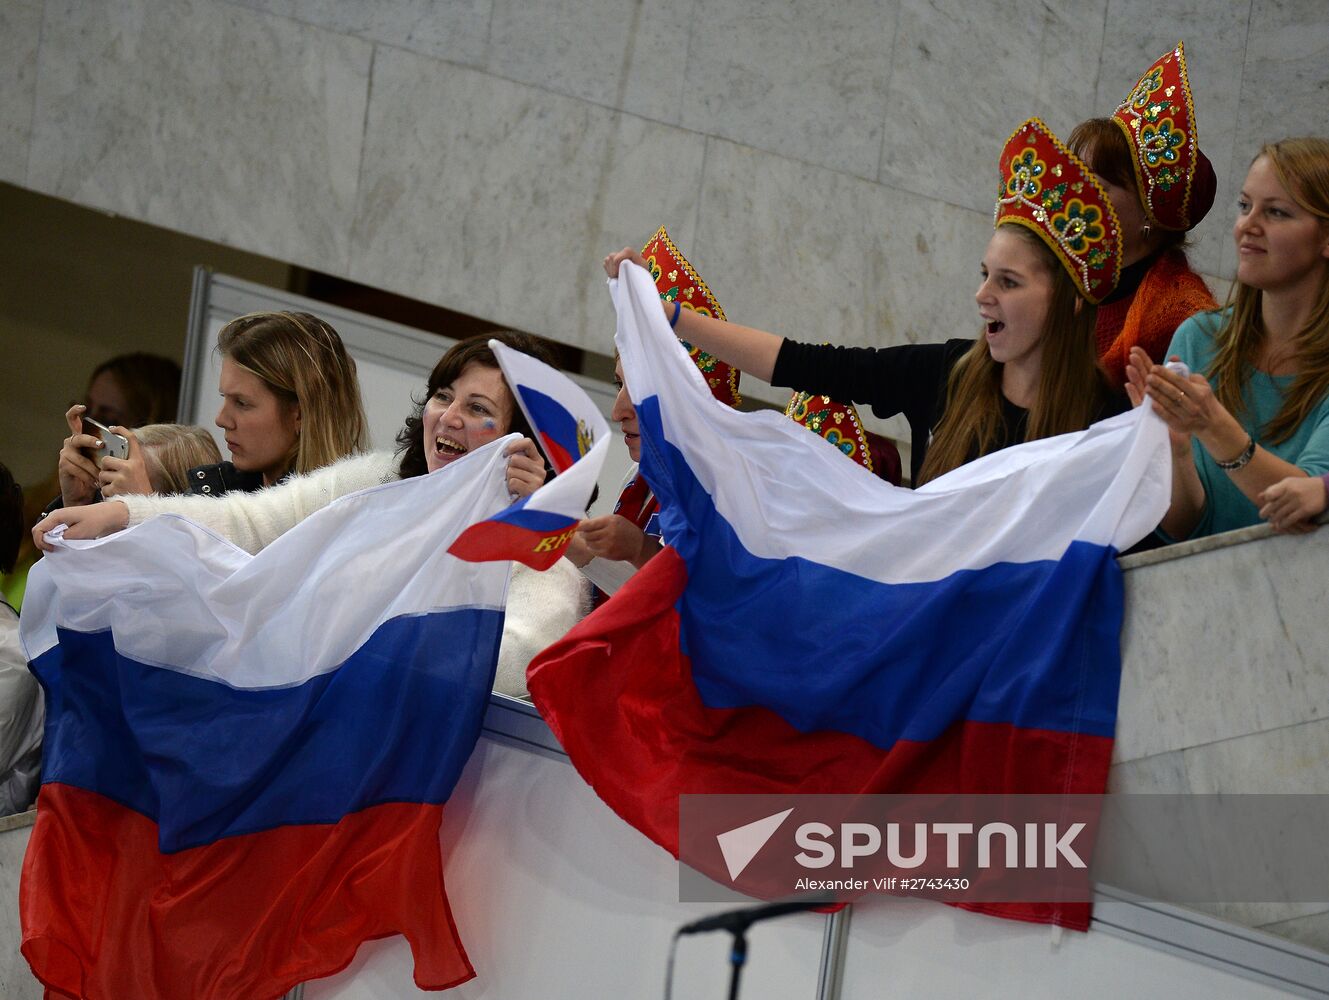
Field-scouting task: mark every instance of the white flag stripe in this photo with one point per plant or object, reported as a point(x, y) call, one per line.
point(177, 596)
point(569, 492)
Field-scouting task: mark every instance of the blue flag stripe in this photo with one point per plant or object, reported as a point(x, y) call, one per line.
point(239, 761)
point(525, 516)
point(550, 417)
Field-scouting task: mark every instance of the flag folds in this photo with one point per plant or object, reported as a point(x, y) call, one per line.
point(810, 628)
point(247, 757)
point(575, 438)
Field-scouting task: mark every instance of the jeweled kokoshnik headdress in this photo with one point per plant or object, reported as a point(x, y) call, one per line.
point(1048, 189)
point(1175, 179)
point(678, 281)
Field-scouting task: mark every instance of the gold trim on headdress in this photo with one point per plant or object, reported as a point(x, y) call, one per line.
point(1174, 178)
point(1048, 189)
point(836, 422)
point(678, 281)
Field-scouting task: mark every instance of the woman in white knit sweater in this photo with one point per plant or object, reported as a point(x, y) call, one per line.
point(467, 404)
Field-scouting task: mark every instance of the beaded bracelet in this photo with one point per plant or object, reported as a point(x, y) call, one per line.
point(1242, 460)
point(673, 320)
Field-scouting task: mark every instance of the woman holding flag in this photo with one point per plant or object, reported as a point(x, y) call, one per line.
point(467, 404)
point(833, 635)
point(1055, 254)
point(627, 535)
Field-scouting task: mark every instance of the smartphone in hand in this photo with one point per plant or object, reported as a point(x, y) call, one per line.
point(117, 445)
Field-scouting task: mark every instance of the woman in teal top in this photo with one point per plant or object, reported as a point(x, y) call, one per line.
point(1255, 408)
point(1226, 506)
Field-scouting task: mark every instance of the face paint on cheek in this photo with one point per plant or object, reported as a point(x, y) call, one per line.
point(488, 424)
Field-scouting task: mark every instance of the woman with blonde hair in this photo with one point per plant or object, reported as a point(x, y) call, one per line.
point(290, 396)
point(290, 404)
point(1254, 409)
point(1032, 374)
point(170, 451)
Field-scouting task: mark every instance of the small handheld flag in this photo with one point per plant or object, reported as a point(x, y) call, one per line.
point(574, 435)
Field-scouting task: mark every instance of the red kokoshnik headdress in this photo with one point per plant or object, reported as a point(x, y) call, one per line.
point(678, 281)
point(1175, 179)
point(837, 422)
point(1048, 189)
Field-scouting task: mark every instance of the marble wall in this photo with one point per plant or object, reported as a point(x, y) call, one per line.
point(1226, 642)
point(1224, 685)
point(20, 33)
point(828, 166)
point(205, 118)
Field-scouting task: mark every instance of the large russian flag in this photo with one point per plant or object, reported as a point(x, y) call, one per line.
point(575, 437)
point(247, 757)
point(812, 629)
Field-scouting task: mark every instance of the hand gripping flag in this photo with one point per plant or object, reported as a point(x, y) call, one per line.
point(575, 437)
point(812, 629)
point(247, 756)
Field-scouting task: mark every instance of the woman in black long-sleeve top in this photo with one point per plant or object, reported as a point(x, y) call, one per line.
point(1033, 374)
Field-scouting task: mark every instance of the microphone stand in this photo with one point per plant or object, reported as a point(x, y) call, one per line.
point(737, 922)
point(738, 956)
